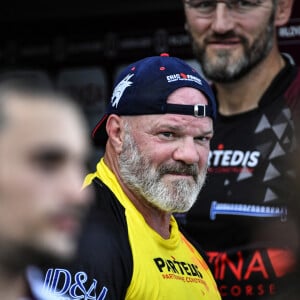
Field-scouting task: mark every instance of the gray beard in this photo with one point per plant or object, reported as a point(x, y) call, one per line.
point(222, 69)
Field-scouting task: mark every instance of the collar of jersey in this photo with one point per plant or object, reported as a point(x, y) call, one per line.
point(109, 179)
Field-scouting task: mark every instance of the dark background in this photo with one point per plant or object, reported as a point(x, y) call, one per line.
point(82, 45)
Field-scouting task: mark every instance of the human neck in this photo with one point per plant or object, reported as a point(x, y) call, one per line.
point(158, 220)
point(245, 93)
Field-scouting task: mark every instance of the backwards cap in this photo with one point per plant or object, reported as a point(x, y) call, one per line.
point(143, 87)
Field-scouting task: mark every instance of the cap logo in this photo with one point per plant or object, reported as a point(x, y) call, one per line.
point(119, 90)
point(182, 76)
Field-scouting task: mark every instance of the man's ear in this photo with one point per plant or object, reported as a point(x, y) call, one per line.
point(115, 132)
point(283, 12)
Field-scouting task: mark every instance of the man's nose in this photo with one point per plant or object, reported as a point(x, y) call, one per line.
point(187, 151)
point(222, 21)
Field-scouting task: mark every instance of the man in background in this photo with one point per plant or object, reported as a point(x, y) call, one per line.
point(43, 154)
point(244, 201)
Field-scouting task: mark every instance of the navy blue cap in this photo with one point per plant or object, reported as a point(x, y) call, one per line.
point(143, 87)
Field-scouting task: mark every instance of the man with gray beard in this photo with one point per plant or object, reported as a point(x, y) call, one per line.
point(156, 132)
point(245, 200)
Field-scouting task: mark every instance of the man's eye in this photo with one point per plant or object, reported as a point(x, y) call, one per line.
point(167, 134)
point(48, 160)
point(207, 4)
point(203, 139)
point(202, 4)
point(243, 3)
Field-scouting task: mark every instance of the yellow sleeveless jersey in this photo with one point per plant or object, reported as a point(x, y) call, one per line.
point(121, 258)
point(162, 268)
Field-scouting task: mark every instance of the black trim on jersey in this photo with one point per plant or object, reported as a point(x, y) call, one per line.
point(105, 253)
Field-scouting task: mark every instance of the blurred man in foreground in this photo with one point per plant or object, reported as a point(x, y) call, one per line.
point(43, 155)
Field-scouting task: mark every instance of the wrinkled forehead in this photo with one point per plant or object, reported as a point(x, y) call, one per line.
point(187, 96)
point(175, 123)
point(183, 122)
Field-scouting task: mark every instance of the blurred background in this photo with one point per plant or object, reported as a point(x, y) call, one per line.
point(81, 46)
